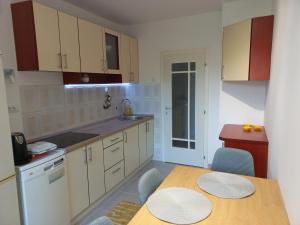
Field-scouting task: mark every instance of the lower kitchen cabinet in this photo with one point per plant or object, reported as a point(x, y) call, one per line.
point(9, 208)
point(78, 181)
point(146, 140)
point(150, 138)
point(95, 171)
point(143, 142)
point(114, 175)
point(131, 150)
point(85, 176)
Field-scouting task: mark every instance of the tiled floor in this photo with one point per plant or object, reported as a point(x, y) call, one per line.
point(127, 192)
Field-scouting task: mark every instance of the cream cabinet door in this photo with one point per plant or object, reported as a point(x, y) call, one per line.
point(7, 167)
point(134, 60)
point(47, 37)
point(131, 150)
point(9, 208)
point(91, 47)
point(68, 31)
point(236, 51)
point(125, 59)
point(150, 139)
point(77, 180)
point(95, 171)
point(143, 142)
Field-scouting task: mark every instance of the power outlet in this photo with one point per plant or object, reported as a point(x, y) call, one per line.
point(13, 109)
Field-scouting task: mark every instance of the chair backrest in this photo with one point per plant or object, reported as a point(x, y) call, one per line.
point(101, 221)
point(232, 160)
point(148, 184)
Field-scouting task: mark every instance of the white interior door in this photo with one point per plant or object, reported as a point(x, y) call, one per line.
point(184, 105)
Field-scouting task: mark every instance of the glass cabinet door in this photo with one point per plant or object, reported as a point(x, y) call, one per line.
point(112, 40)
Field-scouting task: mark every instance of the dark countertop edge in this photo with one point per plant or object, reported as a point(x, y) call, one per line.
point(100, 137)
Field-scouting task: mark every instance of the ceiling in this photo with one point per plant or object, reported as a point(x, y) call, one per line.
point(129, 12)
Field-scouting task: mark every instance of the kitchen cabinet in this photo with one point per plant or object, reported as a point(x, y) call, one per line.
point(9, 208)
point(45, 39)
point(114, 175)
point(77, 180)
point(143, 142)
point(134, 60)
point(112, 51)
point(146, 140)
point(36, 35)
point(95, 171)
point(150, 138)
point(112, 139)
point(129, 59)
point(68, 30)
point(91, 47)
point(254, 142)
point(247, 50)
point(113, 154)
point(131, 149)
point(86, 176)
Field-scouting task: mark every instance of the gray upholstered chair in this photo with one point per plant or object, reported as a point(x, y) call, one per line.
point(232, 160)
point(148, 184)
point(101, 221)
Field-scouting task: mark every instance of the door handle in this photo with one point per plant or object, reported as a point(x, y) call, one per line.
point(168, 108)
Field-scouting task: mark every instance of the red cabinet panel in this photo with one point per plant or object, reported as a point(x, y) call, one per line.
point(261, 48)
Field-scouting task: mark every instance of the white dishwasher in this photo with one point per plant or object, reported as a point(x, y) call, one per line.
point(43, 191)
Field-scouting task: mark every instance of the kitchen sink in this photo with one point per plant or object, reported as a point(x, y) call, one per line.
point(132, 117)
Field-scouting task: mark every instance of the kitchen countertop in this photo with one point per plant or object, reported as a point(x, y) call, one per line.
point(103, 129)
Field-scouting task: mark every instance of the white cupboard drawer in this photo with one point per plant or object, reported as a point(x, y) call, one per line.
point(114, 175)
point(115, 138)
point(113, 154)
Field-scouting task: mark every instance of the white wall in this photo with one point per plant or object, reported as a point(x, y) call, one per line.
point(9, 57)
point(283, 106)
point(243, 102)
point(200, 31)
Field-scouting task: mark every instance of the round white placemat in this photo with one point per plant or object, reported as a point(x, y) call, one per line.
point(226, 185)
point(179, 205)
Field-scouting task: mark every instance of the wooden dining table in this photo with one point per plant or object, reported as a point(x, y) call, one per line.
point(264, 207)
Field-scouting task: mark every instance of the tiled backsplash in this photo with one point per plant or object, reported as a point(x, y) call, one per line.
point(52, 108)
point(47, 109)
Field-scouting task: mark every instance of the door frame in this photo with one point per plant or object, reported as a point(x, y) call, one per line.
point(164, 104)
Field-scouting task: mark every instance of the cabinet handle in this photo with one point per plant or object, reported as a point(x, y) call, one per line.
point(116, 149)
point(115, 139)
point(222, 73)
point(125, 136)
point(59, 60)
point(115, 171)
point(66, 60)
point(91, 154)
point(85, 156)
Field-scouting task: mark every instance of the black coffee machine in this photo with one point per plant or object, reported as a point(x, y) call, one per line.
point(21, 154)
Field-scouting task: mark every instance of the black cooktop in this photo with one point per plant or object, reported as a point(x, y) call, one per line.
point(69, 138)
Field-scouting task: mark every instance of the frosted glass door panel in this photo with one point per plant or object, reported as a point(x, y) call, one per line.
point(183, 104)
point(180, 105)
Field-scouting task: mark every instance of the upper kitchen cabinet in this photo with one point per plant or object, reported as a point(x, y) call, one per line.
point(45, 39)
point(69, 42)
point(247, 50)
point(112, 51)
point(91, 47)
point(129, 59)
point(36, 35)
point(134, 60)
